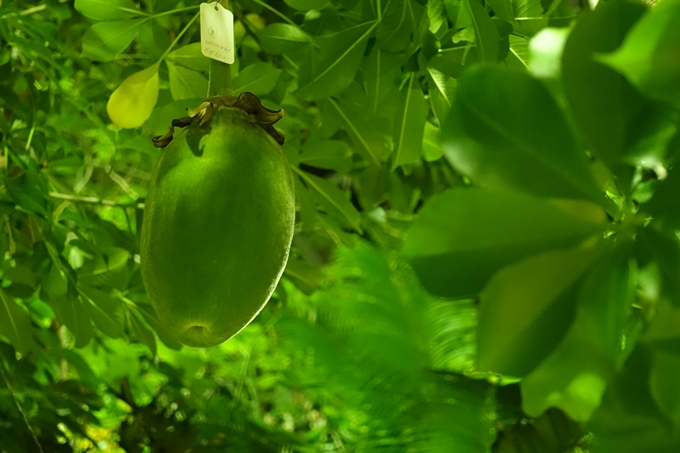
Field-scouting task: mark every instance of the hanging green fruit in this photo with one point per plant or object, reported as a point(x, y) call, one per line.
point(218, 221)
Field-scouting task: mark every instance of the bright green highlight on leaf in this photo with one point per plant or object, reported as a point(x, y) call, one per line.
point(132, 102)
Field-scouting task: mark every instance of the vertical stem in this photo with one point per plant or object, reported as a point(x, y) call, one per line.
point(219, 82)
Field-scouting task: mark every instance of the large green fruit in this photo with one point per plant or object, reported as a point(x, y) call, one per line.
point(218, 225)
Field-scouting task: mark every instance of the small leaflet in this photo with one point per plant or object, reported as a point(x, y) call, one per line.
point(217, 32)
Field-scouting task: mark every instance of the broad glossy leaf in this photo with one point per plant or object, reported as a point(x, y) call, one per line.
point(629, 420)
point(331, 69)
point(185, 83)
point(462, 237)
point(574, 377)
point(72, 312)
point(605, 107)
point(409, 124)
point(105, 40)
point(528, 17)
point(381, 72)
point(279, 38)
point(526, 309)
point(662, 250)
point(503, 9)
point(329, 154)
point(664, 380)
point(106, 9)
point(190, 56)
point(133, 101)
point(442, 90)
point(518, 53)
point(306, 5)
point(332, 198)
point(650, 55)
point(105, 311)
point(15, 324)
point(368, 141)
point(506, 130)
point(486, 35)
point(258, 78)
point(665, 204)
point(546, 52)
point(432, 150)
point(399, 21)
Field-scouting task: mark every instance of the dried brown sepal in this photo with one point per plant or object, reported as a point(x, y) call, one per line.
point(247, 102)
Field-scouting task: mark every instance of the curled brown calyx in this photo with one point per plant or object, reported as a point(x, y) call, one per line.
point(247, 102)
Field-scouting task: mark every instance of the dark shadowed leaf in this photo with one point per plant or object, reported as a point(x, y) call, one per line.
point(506, 130)
point(462, 237)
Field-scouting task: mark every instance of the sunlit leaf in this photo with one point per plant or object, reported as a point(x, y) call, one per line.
point(133, 101)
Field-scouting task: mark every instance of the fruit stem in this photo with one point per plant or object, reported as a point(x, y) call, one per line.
point(219, 81)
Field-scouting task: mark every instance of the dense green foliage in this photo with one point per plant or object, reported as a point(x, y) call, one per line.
point(486, 253)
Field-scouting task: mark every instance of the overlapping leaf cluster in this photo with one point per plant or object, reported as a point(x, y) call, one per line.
point(566, 127)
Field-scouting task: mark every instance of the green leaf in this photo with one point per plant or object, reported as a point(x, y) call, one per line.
point(546, 52)
point(605, 107)
point(528, 15)
point(574, 377)
point(15, 324)
point(526, 308)
point(409, 125)
point(106, 9)
point(307, 206)
point(486, 35)
point(329, 154)
point(432, 151)
point(185, 83)
point(399, 21)
point(502, 9)
point(133, 101)
point(190, 56)
point(306, 5)
point(106, 312)
point(258, 78)
point(367, 140)
point(664, 204)
point(442, 90)
point(279, 39)
point(506, 130)
point(305, 276)
point(518, 56)
point(72, 312)
point(332, 198)
point(143, 334)
point(650, 55)
point(663, 251)
point(381, 71)
point(332, 68)
point(664, 380)
point(105, 40)
point(629, 420)
point(462, 237)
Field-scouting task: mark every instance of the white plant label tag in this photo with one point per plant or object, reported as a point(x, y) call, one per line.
point(217, 32)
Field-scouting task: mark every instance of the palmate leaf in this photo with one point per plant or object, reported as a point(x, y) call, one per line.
point(610, 114)
point(462, 237)
point(332, 68)
point(409, 125)
point(505, 126)
point(527, 307)
point(575, 376)
point(649, 56)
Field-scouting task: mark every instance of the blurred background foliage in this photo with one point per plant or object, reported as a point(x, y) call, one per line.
point(536, 312)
